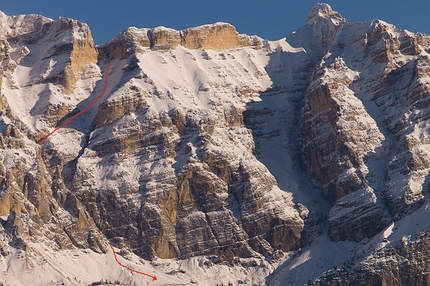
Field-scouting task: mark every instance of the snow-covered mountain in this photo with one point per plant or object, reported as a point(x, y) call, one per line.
point(206, 156)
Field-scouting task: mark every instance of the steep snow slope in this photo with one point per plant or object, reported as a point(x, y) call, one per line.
point(82, 267)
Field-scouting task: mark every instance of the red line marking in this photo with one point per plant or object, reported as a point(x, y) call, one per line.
point(80, 112)
point(131, 269)
point(68, 122)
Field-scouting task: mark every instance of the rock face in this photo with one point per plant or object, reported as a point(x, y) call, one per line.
point(401, 264)
point(203, 201)
point(209, 142)
point(359, 148)
point(162, 38)
point(196, 188)
point(71, 39)
point(34, 205)
point(354, 136)
point(218, 36)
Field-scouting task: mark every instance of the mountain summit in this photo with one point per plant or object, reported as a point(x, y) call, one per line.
point(322, 11)
point(208, 156)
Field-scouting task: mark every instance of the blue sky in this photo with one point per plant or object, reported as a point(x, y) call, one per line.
point(270, 19)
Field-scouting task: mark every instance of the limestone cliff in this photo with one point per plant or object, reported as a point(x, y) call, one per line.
point(208, 202)
point(299, 153)
point(218, 36)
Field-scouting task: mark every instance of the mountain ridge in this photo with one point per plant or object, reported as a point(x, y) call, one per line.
point(217, 150)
